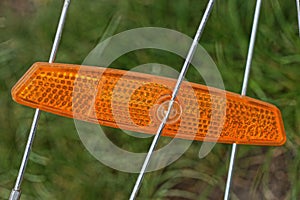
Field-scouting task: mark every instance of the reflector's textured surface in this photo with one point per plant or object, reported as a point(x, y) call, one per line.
point(136, 101)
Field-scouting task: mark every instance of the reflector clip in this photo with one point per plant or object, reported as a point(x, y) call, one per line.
point(137, 102)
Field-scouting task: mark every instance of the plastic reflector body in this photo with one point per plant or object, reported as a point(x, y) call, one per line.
point(137, 102)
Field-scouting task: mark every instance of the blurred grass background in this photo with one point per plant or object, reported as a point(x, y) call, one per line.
point(61, 168)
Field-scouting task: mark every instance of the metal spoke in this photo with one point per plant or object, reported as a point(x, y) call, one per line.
point(298, 14)
point(244, 91)
point(16, 191)
point(174, 94)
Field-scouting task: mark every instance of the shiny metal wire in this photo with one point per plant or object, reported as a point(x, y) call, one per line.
point(243, 92)
point(298, 14)
point(16, 191)
point(174, 94)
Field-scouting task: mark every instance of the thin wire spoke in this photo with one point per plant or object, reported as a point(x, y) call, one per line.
point(298, 14)
point(174, 94)
point(244, 91)
point(59, 30)
point(16, 191)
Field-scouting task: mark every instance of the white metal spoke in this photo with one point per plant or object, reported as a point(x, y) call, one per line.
point(244, 91)
point(298, 14)
point(16, 191)
point(174, 94)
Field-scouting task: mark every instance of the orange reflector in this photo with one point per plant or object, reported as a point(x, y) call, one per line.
point(137, 102)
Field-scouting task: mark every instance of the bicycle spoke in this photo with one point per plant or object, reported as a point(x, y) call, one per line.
point(16, 191)
point(174, 94)
point(244, 91)
point(298, 14)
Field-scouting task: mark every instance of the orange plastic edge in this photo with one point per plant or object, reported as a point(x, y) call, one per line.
point(36, 69)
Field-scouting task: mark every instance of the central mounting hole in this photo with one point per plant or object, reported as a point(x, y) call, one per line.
point(175, 113)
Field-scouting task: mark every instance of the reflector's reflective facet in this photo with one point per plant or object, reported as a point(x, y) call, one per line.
point(70, 90)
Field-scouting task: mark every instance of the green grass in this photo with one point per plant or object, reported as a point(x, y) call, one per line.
point(61, 168)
